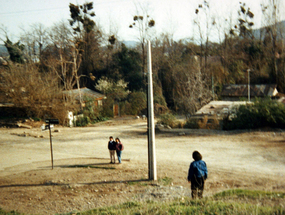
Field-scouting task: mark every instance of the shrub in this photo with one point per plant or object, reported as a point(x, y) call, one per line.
point(107, 108)
point(38, 94)
point(180, 125)
point(262, 113)
point(137, 102)
point(192, 123)
point(92, 111)
point(159, 99)
point(167, 119)
point(82, 121)
point(160, 109)
point(36, 119)
point(213, 123)
point(90, 114)
point(203, 123)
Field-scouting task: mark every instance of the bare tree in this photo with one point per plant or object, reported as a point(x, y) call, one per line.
point(271, 12)
point(191, 87)
point(205, 21)
point(38, 93)
point(220, 68)
point(35, 40)
point(111, 41)
point(63, 57)
point(177, 70)
point(58, 55)
point(142, 22)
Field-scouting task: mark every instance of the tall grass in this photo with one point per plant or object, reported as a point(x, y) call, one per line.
point(261, 202)
point(228, 202)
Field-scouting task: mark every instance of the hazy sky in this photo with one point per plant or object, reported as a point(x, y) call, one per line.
point(171, 16)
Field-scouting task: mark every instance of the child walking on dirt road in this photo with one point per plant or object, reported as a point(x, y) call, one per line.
point(197, 175)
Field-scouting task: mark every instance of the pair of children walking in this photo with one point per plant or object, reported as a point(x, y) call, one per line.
point(115, 147)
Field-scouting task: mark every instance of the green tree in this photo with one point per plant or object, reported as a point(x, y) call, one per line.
point(262, 113)
point(117, 90)
point(126, 64)
point(86, 38)
point(137, 102)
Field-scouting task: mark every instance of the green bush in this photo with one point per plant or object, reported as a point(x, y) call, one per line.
point(107, 109)
point(137, 101)
point(262, 113)
point(159, 99)
point(91, 113)
point(167, 119)
point(82, 121)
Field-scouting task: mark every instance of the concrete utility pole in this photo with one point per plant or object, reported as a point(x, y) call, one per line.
point(248, 86)
point(151, 135)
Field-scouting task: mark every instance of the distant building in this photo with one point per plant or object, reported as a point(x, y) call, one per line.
point(213, 114)
point(85, 92)
point(220, 109)
point(236, 91)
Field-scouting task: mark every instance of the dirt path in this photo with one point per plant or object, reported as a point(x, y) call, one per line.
point(83, 178)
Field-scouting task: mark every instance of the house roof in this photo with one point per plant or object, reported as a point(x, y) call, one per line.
point(241, 90)
point(85, 92)
point(219, 107)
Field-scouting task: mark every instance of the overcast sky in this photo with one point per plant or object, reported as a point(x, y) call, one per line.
point(171, 16)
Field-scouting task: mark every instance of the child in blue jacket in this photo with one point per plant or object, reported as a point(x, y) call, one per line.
point(197, 175)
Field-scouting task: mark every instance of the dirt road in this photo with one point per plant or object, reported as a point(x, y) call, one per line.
point(252, 160)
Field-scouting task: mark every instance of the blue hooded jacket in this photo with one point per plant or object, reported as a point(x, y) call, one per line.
point(199, 169)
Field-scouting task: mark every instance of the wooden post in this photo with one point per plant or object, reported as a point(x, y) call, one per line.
point(151, 134)
point(51, 121)
point(51, 152)
point(248, 84)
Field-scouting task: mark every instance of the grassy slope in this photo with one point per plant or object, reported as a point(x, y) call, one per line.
point(228, 202)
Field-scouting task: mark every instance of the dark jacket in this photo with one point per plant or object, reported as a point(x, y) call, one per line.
point(199, 169)
point(119, 146)
point(112, 145)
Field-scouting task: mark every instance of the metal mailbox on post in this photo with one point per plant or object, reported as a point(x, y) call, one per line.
point(51, 122)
